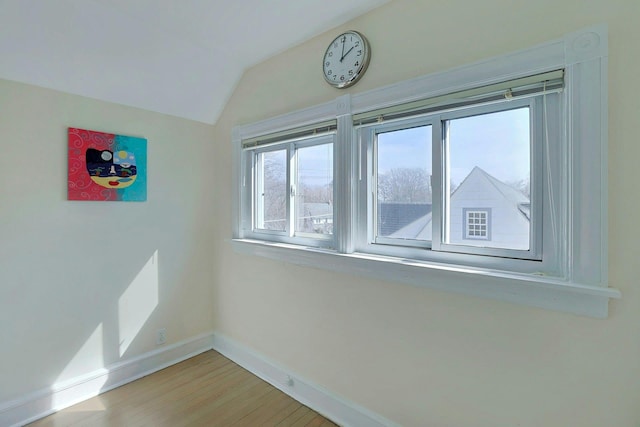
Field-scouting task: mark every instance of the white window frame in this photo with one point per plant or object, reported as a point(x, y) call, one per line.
point(251, 197)
point(464, 255)
point(258, 201)
point(367, 199)
point(579, 284)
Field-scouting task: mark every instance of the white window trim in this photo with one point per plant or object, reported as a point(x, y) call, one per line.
point(583, 289)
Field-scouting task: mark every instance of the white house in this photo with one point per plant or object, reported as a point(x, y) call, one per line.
point(485, 212)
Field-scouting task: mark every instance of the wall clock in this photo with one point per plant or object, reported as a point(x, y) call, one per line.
point(346, 59)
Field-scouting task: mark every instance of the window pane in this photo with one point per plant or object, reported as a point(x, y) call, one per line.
point(489, 166)
point(272, 191)
point(314, 193)
point(404, 184)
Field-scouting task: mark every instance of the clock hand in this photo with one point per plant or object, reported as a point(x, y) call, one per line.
point(343, 56)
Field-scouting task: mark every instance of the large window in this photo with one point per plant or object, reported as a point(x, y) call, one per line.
point(490, 180)
point(460, 179)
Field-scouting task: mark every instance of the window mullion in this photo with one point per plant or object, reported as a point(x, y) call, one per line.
point(362, 211)
point(292, 171)
point(538, 149)
point(344, 185)
point(247, 184)
point(259, 191)
point(439, 183)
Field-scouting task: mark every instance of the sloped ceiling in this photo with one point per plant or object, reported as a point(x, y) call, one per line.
point(178, 57)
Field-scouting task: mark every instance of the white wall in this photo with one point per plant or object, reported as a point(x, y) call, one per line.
point(422, 357)
point(86, 284)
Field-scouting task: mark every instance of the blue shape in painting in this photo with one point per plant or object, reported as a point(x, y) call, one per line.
point(130, 154)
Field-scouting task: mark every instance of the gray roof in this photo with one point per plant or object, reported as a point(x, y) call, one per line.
point(393, 216)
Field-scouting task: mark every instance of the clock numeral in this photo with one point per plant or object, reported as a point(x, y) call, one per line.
point(356, 64)
point(330, 54)
point(335, 44)
point(357, 43)
point(329, 72)
point(359, 52)
point(344, 38)
point(341, 77)
point(327, 63)
point(351, 72)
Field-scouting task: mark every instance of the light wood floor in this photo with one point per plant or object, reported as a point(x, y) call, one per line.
point(207, 390)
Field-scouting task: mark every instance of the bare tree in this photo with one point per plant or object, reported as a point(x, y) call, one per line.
point(522, 185)
point(275, 193)
point(405, 185)
point(317, 193)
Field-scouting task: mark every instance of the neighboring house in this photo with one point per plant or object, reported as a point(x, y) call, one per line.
point(317, 218)
point(484, 212)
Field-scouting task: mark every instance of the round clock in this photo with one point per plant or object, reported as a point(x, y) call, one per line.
point(346, 59)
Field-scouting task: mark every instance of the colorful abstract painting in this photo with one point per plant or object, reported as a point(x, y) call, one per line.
point(106, 167)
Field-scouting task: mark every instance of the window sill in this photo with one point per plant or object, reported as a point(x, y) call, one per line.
point(527, 289)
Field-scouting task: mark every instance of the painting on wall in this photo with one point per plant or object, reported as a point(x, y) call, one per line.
point(106, 167)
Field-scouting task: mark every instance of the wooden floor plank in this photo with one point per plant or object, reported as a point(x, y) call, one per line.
point(206, 390)
point(304, 421)
point(295, 416)
point(279, 403)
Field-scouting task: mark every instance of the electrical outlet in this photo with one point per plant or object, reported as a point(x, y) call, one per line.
point(161, 338)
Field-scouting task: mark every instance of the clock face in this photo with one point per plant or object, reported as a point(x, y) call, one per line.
point(346, 59)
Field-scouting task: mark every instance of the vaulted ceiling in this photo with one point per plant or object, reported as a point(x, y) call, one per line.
point(178, 57)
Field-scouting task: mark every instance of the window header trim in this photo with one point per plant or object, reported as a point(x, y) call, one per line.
point(316, 129)
point(548, 82)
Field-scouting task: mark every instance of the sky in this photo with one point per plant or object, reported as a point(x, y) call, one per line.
point(496, 142)
point(315, 164)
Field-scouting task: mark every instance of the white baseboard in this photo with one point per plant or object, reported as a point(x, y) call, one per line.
point(61, 395)
point(41, 403)
point(337, 409)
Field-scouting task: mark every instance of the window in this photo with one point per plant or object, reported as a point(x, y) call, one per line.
point(490, 167)
point(403, 185)
point(477, 224)
point(489, 179)
point(463, 177)
point(271, 191)
point(292, 191)
point(314, 194)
